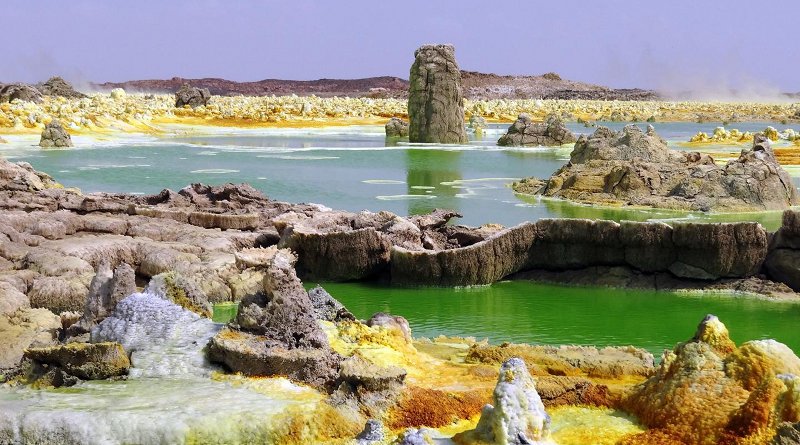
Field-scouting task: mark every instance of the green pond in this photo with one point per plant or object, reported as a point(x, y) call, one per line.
point(526, 312)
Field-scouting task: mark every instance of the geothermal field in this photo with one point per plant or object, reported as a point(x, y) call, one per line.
point(445, 256)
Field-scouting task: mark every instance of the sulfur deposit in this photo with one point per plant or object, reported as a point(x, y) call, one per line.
point(708, 391)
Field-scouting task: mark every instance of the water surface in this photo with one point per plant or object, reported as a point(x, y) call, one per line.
point(350, 168)
point(526, 312)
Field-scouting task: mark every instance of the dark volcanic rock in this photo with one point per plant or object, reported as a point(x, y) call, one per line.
point(191, 96)
point(56, 86)
point(326, 307)
point(603, 94)
point(275, 333)
point(632, 167)
point(21, 92)
point(525, 133)
point(435, 101)
point(54, 135)
point(396, 128)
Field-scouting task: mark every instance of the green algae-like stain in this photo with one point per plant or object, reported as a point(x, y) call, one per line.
point(225, 312)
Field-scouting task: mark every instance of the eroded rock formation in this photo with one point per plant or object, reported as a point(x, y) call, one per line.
point(709, 391)
point(697, 251)
point(527, 133)
point(276, 333)
point(191, 96)
point(632, 167)
point(19, 91)
point(54, 135)
point(396, 128)
point(435, 100)
point(783, 260)
point(56, 86)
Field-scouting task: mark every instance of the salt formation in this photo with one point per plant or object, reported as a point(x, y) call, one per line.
point(435, 101)
point(162, 338)
point(517, 415)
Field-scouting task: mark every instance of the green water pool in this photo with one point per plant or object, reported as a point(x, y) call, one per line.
point(526, 312)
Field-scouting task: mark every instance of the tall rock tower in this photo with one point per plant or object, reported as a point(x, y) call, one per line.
point(435, 101)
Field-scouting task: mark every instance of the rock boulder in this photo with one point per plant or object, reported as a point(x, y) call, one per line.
point(191, 96)
point(54, 135)
point(396, 128)
point(87, 361)
point(20, 91)
point(526, 133)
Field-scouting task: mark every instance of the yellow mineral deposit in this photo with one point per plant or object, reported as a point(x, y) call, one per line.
point(148, 113)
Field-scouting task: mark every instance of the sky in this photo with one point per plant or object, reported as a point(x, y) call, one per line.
point(671, 45)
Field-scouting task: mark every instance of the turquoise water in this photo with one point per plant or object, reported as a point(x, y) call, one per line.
point(349, 168)
point(526, 312)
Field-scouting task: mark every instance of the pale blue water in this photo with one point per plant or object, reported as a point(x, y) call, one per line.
point(349, 168)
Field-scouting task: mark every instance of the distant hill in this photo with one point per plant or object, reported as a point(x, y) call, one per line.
point(476, 86)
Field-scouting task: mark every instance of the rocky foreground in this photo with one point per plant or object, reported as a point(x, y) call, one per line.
point(72, 266)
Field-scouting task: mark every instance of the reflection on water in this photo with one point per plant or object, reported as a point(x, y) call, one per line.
point(431, 168)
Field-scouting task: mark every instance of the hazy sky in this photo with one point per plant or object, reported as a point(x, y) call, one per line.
point(673, 45)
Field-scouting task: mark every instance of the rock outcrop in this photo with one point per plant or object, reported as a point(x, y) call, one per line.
point(435, 100)
point(19, 91)
point(396, 128)
point(708, 391)
point(328, 308)
point(86, 361)
point(108, 287)
point(26, 328)
point(191, 96)
point(526, 133)
point(276, 333)
point(632, 167)
point(516, 415)
point(696, 251)
point(783, 261)
point(54, 135)
point(56, 86)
